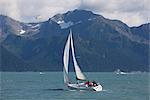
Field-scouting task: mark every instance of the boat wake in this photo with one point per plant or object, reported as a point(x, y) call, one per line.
point(56, 89)
point(60, 89)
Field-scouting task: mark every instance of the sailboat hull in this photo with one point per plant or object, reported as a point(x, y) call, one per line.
point(84, 87)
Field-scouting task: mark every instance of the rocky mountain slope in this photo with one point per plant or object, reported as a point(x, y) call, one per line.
point(101, 44)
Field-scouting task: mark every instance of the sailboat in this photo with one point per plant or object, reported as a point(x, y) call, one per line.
point(82, 82)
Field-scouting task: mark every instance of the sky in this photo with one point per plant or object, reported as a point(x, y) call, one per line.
point(131, 12)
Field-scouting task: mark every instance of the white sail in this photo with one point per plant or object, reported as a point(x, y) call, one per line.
point(66, 60)
point(79, 74)
point(78, 71)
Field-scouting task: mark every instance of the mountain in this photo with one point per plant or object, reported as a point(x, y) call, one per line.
point(17, 64)
point(142, 31)
point(101, 44)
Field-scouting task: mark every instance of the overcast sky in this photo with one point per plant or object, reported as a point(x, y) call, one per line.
point(131, 12)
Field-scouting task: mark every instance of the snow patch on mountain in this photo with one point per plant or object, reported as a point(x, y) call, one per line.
point(60, 22)
point(29, 25)
point(59, 19)
point(35, 26)
point(91, 19)
point(22, 31)
point(64, 25)
point(78, 22)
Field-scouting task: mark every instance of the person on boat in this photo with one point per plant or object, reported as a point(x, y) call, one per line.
point(87, 83)
point(90, 83)
point(94, 83)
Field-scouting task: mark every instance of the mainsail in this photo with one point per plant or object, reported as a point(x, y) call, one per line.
point(79, 74)
point(66, 60)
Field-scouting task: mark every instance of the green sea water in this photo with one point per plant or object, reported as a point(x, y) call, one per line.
point(50, 86)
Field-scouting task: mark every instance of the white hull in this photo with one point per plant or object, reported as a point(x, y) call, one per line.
point(82, 86)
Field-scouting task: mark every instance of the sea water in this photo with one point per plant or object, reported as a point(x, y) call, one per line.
point(50, 86)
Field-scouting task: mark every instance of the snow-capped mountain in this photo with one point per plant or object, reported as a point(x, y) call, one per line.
point(102, 44)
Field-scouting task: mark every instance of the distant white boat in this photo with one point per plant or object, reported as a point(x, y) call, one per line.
point(82, 83)
point(118, 71)
point(41, 73)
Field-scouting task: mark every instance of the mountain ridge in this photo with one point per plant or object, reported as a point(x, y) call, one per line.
point(112, 42)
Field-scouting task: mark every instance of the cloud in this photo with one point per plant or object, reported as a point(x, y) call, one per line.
point(28, 10)
point(45, 8)
point(133, 12)
point(9, 8)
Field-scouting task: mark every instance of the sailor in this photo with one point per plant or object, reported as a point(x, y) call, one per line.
point(90, 84)
point(95, 84)
point(87, 83)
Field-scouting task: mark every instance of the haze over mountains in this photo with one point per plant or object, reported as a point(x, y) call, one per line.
point(101, 44)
